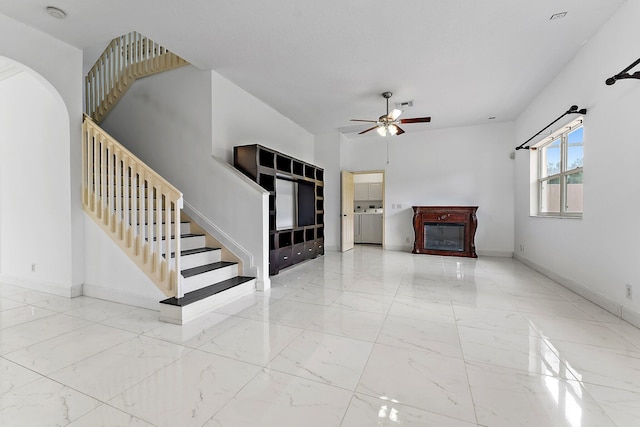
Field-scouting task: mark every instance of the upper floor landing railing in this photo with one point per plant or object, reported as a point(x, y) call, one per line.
point(127, 58)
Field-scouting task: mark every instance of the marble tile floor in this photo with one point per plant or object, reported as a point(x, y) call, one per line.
point(365, 338)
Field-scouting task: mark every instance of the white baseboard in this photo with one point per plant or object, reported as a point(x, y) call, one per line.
point(498, 254)
point(601, 301)
point(631, 317)
point(263, 284)
point(123, 297)
point(398, 248)
point(60, 289)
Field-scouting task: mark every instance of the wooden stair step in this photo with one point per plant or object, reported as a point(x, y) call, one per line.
point(200, 294)
point(163, 223)
point(182, 236)
point(194, 251)
point(206, 268)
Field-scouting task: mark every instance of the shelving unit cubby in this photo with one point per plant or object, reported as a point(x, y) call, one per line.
point(286, 246)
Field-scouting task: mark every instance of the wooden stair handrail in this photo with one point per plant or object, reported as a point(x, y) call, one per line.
point(126, 58)
point(134, 205)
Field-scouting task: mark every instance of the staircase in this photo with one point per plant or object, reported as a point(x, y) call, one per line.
point(207, 281)
point(126, 59)
point(141, 211)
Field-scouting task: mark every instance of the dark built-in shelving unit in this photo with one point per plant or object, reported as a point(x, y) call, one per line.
point(291, 245)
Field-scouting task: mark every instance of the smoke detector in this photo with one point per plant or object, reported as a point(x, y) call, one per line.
point(56, 12)
point(558, 16)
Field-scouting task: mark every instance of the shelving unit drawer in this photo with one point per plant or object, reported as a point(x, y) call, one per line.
point(310, 249)
point(298, 253)
point(284, 257)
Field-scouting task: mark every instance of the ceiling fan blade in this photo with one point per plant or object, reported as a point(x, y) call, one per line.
point(365, 131)
point(416, 120)
point(368, 121)
point(394, 114)
point(400, 130)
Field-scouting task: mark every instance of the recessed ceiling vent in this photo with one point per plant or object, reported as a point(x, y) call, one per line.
point(402, 105)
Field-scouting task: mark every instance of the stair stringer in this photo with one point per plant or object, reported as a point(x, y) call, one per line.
point(247, 262)
point(212, 242)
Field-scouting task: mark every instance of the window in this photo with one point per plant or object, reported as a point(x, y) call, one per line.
point(560, 172)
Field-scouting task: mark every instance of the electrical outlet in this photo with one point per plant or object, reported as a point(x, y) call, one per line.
point(399, 206)
point(33, 268)
point(407, 240)
point(393, 205)
point(629, 292)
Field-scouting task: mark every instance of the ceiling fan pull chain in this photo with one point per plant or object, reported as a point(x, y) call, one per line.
point(387, 148)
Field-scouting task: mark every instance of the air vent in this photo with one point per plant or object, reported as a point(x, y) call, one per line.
point(401, 105)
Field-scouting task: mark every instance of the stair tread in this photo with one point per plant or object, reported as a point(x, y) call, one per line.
point(182, 236)
point(195, 251)
point(205, 268)
point(163, 223)
point(200, 294)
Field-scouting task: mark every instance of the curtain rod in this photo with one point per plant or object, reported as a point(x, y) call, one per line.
point(624, 75)
point(572, 110)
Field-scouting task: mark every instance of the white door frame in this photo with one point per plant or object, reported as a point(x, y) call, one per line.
point(384, 211)
point(346, 211)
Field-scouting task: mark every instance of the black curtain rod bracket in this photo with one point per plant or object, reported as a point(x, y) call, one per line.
point(572, 110)
point(624, 74)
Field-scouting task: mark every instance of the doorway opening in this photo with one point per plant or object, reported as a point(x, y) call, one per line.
point(35, 171)
point(362, 208)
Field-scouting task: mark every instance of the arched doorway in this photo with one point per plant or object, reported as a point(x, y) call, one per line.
point(35, 189)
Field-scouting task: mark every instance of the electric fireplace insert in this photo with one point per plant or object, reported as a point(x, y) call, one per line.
point(445, 230)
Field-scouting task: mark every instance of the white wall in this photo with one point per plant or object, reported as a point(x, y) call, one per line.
point(165, 120)
point(328, 154)
point(34, 179)
point(57, 68)
point(179, 122)
point(239, 118)
point(111, 275)
point(456, 166)
point(596, 255)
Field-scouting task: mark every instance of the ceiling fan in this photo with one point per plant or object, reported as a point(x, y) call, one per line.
point(388, 123)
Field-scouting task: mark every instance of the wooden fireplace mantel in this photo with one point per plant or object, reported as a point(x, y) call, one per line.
point(448, 219)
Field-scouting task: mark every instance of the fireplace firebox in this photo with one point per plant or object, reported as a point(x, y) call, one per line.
point(445, 230)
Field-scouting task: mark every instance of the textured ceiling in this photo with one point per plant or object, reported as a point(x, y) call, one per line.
point(322, 63)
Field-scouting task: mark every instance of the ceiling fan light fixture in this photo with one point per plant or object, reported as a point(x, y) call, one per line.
point(387, 124)
point(395, 113)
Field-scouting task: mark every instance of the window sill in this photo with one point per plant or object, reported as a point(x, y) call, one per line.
point(557, 216)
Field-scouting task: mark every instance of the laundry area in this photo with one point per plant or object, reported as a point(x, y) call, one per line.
point(368, 208)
